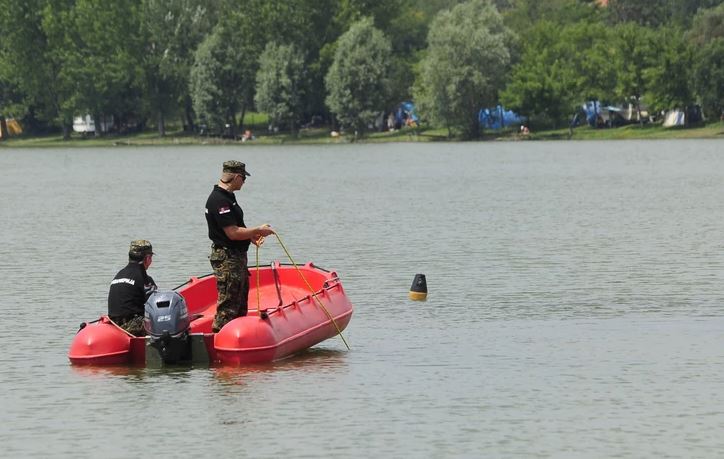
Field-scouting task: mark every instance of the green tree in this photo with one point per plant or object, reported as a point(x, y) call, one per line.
point(358, 80)
point(637, 50)
point(309, 25)
point(683, 11)
point(651, 13)
point(708, 25)
point(279, 84)
point(592, 53)
point(20, 25)
point(655, 13)
point(213, 83)
point(709, 77)
point(172, 30)
point(223, 75)
point(707, 36)
point(524, 14)
point(560, 68)
point(34, 61)
point(542, 86)
point(100, 47)
point(467, 61)
point(669, 79)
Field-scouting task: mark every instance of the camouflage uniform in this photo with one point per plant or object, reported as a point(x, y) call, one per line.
point(232, 284)
point(133, 325)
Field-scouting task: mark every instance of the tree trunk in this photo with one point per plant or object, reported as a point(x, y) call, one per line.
point(243, 115)
point(97, 125)
point(474, 128)
point(3, 128)
point(231, 121)
point(161, 124)
point(189, 112)
point(66, 131)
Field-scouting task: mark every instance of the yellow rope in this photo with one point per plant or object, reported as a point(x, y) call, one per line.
point(124, 330)
point(258, 293)
point(314, 295)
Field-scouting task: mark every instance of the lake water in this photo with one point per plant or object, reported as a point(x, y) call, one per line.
point(575, 307)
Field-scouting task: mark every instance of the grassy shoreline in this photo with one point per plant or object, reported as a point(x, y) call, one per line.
point(713, 130)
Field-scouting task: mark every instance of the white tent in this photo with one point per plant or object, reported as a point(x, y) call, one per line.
point(674, 118)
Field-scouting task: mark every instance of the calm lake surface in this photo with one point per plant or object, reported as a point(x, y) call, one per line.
point(575, 307)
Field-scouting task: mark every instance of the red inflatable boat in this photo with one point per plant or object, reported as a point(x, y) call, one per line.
point(297, 308)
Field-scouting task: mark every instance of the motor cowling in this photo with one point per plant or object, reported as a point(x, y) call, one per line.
point(166, 314)
point(167, 324)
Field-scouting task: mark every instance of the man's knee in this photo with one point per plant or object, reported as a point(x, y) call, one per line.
point(134, 326)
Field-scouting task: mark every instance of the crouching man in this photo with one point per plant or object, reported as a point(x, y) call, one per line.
point(131, 288)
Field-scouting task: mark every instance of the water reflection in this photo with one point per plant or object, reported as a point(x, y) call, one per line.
point(138, 374)
point(312, 360)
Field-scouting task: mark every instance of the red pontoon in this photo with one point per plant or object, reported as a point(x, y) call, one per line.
point(290, 318)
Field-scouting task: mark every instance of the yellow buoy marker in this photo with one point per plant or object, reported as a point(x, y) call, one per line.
point(418, 291)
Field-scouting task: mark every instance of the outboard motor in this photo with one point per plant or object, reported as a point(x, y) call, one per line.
point(166, 321)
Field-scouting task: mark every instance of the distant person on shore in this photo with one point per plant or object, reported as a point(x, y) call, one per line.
point(131, 288)
point(248, 135)
point(230, 240)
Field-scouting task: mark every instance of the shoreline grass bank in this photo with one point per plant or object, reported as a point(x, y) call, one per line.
point(321, 136)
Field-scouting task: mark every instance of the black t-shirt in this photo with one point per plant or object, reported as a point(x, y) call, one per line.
point(129, 291)
point(222, 210)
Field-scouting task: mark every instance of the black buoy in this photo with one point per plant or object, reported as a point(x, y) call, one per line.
point(418, 291)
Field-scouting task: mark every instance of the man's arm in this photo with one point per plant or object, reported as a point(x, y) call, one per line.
point(238, 233)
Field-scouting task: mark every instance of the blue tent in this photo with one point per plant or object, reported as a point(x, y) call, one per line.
point(499, 117)
point(592, 108)
point(602, 115)
point(404, 111)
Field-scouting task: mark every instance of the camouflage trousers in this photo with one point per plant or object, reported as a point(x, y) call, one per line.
point(232, 284)
point(132, 324)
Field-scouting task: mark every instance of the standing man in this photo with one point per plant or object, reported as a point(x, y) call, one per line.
point(230, 241)
point(131, 288)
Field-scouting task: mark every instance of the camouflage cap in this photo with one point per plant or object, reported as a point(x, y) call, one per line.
point(235, 167)
point(140, 248)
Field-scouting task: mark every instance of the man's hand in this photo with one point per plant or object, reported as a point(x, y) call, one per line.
point(263, 231)
point(260, 232)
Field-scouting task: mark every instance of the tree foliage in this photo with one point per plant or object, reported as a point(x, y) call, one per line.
point(707, 37)
point(543, 85)
point(358, 80)
point(102, 55)
point(708, 25)
point(563, 66)
point(222, 78)
point(524, 14)
point(655, 13)
point(467, 60)
point(172, 30)
point(32, 62)
point(708, 74)
point(279, 84)
point(150, 62)
point(669, 78)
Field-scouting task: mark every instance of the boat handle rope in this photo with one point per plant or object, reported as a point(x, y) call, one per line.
point(314, 295)
point(258, 293)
